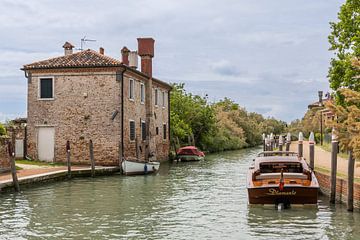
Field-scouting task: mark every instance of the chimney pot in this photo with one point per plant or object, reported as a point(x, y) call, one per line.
point(133, 59)
point(101, 50)
point(125, 55)
point(68, 48)
point(146, 52)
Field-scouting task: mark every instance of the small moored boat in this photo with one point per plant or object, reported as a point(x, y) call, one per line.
point(133, 167)
point(189, 153)
point(281, 177)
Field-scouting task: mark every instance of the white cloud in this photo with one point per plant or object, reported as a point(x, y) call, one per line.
point(262, 51)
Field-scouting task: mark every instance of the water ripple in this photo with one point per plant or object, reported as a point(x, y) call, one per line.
point(203, 200)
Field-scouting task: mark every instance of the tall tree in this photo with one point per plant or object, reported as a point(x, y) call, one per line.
point(345, 43)
point(347, 121)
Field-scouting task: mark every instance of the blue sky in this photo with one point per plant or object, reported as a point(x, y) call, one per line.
point(269, 56)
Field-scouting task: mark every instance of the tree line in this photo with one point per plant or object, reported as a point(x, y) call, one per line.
point(219, 126)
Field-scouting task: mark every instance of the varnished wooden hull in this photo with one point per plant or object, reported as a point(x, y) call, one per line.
point(289, 195)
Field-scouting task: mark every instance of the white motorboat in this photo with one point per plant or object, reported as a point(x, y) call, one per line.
point(133, 167)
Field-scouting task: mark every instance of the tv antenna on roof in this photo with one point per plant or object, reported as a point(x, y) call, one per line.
point(83, 42)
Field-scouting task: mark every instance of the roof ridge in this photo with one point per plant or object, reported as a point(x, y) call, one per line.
point(85, 58)
point(103, 55)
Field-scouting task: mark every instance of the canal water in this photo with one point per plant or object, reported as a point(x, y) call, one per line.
point(200, 200)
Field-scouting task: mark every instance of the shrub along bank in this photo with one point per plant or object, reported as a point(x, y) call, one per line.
point(218, 126)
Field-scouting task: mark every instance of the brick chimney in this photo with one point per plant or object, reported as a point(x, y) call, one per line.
point(101, 50)
point(125, 55)
point(68, 48)
point(146, 52)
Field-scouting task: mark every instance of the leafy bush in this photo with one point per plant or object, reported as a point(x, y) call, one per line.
point(2, 130)
point(219, 126)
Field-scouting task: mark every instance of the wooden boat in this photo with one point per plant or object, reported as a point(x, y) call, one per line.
point(281, 177)
point(133, 167)
point(189, 153)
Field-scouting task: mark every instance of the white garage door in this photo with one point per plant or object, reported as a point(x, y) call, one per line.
point(19, 148)
point(46, 143)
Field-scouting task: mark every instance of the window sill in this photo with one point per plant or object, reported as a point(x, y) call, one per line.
point(142, 103)
point(131, 100)
point(46, 99)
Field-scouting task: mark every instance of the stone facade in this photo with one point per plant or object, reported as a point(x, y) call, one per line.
point(87, 105)
point(4, 155)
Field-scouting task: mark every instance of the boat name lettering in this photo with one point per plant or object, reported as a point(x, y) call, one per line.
point(273, 191)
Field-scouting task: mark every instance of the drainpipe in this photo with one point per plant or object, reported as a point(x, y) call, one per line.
point(28, 76)
point(122, 114)
point(169, 118)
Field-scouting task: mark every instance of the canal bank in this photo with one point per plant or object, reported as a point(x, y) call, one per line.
point(35, 176)
point(195, 200)
point(322, 172)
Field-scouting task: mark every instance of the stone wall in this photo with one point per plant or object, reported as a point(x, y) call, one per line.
point(341, 188)
point(81, 110)
point(136, 111)
point(4, 155)
point(161, 118)
point(84, 102)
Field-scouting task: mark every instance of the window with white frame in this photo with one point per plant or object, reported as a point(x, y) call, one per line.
point(132, 130)
point(131, 88)
point(156, 97)
point(142, 93)
point(46, 88)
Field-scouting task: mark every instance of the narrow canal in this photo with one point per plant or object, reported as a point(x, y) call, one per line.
point(202, 200)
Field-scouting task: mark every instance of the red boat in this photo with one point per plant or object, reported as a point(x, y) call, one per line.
point(189, 153)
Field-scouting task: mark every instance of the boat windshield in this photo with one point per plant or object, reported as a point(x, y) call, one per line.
point(275, 167)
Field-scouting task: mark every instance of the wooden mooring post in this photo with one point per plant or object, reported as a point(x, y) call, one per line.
point(91, 148)
point(281, 142)
point(68, 158)
point(264, 143)
point(312, 150)
point(350, 194)
point(300, 144)
point(288, 142)
point(271, 142)
point(11, 149)
point(334, 151)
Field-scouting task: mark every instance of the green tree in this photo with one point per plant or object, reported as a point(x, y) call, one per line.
point(2, 130)
point(190, 115)
point(345, 43)
point(347, 122)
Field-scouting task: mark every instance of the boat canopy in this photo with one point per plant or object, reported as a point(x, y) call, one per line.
point(189, 150)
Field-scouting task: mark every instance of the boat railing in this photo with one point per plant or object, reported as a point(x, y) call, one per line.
point(264, 176)
point(276, 153)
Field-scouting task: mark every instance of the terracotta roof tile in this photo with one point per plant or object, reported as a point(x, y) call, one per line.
point(87, 58)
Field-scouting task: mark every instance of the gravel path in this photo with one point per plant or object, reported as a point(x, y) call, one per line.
point(323, 159)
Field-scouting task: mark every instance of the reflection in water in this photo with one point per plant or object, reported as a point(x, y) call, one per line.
point(200, 200)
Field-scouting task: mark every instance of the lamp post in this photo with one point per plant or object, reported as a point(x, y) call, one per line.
point(320, 93)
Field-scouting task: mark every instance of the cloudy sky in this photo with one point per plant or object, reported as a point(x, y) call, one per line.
point(270, 56)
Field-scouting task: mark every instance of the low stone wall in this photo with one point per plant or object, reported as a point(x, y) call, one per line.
point(4, 156)
point(341, 188)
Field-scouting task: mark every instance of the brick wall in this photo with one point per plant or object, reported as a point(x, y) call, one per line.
point(341, 188)
point(84, 101)
point(4, 155)
point(81, 110)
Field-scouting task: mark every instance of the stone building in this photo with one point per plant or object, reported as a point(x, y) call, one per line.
point(4, 155)
point(88, 95)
